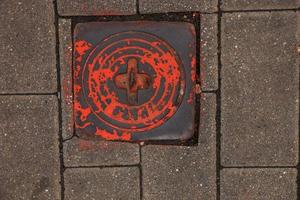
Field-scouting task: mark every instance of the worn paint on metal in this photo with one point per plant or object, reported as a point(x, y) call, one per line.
point(131, 82)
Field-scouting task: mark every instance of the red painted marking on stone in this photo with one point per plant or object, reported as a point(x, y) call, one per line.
point(193, 78)
point(193, 69)
point(85, 145)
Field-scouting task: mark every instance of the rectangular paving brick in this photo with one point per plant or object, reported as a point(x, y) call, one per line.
point(65, 55)
point(80, 152)
point(258, 4)
point(209, 52)
point(96, 7)
point(259, 184)
point(260, 89)
point(29, 153)
point(181, 172)
point(105, 183)
point(27, 58)
point(162, 6)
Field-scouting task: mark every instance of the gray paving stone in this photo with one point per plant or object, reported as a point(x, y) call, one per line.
point(80, 152)
point(209, 52)
point(260, 76)
point(259, 184)
point(258, 4)
point(163, 6)
point(181, 172)
point(96, 7)
point(65, 51)
point(29, 153)
point(106, 183)
point(27, 58)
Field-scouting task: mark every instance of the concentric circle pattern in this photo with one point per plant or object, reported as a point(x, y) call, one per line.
point(155, 59)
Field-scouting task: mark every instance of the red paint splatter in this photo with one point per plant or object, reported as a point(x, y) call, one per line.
point(193, 78)
point(81, 47)
point(166, 67)
point(102, 68)
point(113, 136)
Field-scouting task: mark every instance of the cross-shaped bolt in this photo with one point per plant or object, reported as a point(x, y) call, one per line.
point(132, 81)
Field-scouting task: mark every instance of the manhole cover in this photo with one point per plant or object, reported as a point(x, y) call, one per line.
point(134, 81)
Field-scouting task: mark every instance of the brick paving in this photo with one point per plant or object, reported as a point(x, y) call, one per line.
point(161, 6)
point(80, 152)
point(173, 172)
point(259, 89)
point(209, 52)
point(27, 57)
point(96, 7)
point(105, 183)
point(259, 5)
point(65, 50)
point(258, 184)
point(248, 144)
point(29, 156)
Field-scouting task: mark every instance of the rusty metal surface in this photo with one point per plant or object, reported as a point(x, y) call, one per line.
point(134, 81)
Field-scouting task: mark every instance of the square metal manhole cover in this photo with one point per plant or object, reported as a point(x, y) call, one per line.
point(134, 81)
